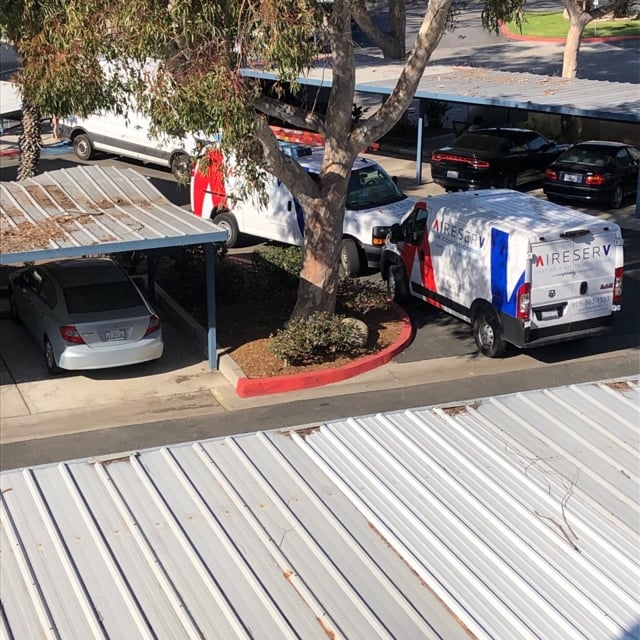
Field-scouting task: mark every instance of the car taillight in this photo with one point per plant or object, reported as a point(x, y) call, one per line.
point(550, 174)
point(480, 164)
point(523, 301)
point(617, 286)
point(595, 179)
point(438, 156)
point(154, 325)
point(70, 334)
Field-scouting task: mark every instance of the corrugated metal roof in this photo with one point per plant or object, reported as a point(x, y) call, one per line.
point(503, 518)
point(470, 85)
point(91, 209)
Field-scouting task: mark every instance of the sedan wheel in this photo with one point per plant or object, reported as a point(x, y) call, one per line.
point(49, 358)
point(615, 199)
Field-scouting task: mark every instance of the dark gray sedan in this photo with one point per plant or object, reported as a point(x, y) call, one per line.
point(86, 314)
point(597, 171)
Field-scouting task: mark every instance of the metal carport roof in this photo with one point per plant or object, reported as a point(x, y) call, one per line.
point(469, 85)
point(89, 210)
point(509, 517)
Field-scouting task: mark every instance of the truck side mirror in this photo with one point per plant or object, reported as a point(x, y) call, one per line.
point(395, 233)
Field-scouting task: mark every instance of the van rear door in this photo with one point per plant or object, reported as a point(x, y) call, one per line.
point(572, 277)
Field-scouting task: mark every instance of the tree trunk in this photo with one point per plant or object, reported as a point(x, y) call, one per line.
point(392, 44)
point(578, 20)
point(29, 142)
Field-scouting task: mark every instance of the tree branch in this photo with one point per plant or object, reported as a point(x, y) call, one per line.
point(283, 166)
point(289, 113)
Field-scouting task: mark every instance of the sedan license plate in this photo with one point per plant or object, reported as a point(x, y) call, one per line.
point(572, 177)
point(452, 174)
point(115, 334)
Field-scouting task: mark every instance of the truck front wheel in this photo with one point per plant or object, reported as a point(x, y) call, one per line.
point(228, 222)
point(349, 258)
point(487, 333)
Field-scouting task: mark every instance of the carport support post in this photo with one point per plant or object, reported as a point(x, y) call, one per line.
point(210, 270)
point(420, 124)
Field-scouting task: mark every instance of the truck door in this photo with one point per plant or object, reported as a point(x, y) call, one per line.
point(573, 277)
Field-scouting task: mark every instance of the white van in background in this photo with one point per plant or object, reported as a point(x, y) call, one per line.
point(519, 269)
point(373, 204)
point(128, 136)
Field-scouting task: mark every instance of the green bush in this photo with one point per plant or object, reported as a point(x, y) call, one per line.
point(316, 339)
point(277, 258)
point(358, 297)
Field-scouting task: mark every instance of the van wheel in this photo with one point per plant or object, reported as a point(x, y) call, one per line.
point(397, 285)
point(82, 147)
point(228, 222)
point(349, 258)
point(487, 333)
point(49, 358)
point(181, 167)
point(615, 199)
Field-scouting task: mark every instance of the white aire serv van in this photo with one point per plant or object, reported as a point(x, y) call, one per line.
point(128, 136)
point(519, 269)
point(374, 203)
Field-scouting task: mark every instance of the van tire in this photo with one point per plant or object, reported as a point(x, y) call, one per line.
point(487, 333)
point(616, 197)
point(181, 167)
point(349, 258)
point(397, 285)
point(82, 147)
point(228, 222)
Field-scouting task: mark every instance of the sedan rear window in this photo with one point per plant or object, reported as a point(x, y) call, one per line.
point(104, 296)
point(481, 142)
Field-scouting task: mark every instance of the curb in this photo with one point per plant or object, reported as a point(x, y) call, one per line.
point(515, 36)
point(251, 387)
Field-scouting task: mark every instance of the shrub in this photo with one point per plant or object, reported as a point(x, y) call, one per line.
point(286, 259)
point(358, 297)
point(318, 338)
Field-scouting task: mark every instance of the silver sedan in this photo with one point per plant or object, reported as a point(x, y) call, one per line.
point(86, 314)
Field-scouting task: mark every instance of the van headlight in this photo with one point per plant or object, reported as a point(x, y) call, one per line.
point(379, 235)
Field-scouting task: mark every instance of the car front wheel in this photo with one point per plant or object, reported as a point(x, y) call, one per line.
point(228, 222)
point(349, 258)
point(397, 286)
point(181, 167)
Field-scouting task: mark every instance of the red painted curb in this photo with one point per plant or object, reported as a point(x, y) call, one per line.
point(9, 152)
point(251, 387)
point(515, 36)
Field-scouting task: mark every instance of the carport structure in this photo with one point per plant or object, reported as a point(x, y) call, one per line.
point(91, 210)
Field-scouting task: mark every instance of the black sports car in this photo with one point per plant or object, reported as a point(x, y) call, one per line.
point(493, 157)
point(596, 171)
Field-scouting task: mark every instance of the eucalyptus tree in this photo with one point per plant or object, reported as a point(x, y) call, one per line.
point(184, 62)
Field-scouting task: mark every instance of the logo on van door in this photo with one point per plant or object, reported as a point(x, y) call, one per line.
point(456, 234)
point(591, 252)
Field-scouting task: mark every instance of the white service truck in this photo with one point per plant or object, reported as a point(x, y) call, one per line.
point(374, 203)
point(519, 269)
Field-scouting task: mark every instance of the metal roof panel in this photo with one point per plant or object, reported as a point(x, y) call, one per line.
point(505, 517)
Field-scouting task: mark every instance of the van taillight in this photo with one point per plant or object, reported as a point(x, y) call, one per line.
point(617, 286)
point(154, 325)
point(70, 333)
point(523, 301)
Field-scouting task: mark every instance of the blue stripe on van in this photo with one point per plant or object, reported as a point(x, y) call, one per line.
point(499, 264)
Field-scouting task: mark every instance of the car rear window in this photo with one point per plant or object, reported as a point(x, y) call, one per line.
point(591, 156)
point(481, 142)
point(104, 296)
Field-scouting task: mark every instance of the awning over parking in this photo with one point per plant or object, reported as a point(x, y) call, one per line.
point(89, 210)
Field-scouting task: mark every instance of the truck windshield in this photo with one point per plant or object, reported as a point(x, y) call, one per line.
point(370, 187)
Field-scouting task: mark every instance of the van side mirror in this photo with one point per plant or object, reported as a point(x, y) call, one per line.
point(395, 233)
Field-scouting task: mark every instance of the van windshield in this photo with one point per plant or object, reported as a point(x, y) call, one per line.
point(370, 187)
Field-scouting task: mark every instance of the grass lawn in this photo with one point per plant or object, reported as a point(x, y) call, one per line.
point(550, 24)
